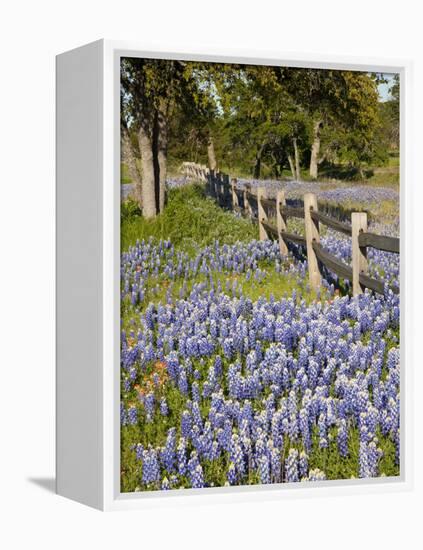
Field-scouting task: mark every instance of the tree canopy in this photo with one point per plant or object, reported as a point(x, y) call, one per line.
point(242, 117)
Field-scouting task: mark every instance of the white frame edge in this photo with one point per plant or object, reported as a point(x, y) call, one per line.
point(108, 496)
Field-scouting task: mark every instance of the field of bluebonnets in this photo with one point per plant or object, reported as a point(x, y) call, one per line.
point(233, 371)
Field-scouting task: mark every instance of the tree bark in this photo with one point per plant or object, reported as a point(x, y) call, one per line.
point(257, 165)
point(211, 153)
point(130, 159)
point(297, 160)
point(162, 141)
point(145, 140)
point(315, 149)
point(292, 166)
point(257, 168)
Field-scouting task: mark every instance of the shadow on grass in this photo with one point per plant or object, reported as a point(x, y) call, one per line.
point(344, 172)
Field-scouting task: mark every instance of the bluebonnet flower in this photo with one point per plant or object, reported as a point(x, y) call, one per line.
point(181, 456)
point(231, 475)
point(303, 465)
point(323, 441)
point(183, 382)
point(316, 475)
point(164, 409)
point(275, 463)
point(149, 402)
point(195, 389)
point(291, 466)
point(264, 469)
point(342, 437)
point(138, 451)
point(132, 415)
point(123, 415)
point(150, 466)
point(224, 435)
point(186, 424)
point(165, 484)
point(195, 472)
point(364, 469)
point(168, 456)
point(236, 455)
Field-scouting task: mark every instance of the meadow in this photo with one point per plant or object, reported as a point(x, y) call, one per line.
point(233, 371)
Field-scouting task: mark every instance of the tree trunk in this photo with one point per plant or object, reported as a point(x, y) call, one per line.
point(257, 165)
point(130, 159)
point(297, 160)
point(315, 149)
point(211, 154)
point(292, 166)
point(148, 177)
point(162, 139)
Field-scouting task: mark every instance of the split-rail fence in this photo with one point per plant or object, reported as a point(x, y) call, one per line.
point(258, 206)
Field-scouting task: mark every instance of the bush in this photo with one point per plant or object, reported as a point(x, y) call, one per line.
point(190, 220)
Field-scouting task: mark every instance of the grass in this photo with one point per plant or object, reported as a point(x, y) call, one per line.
point(124, 174)
point(190, 220)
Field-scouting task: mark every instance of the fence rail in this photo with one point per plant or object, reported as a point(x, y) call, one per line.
point(293, 238)
point(332, 262)
point(331, 222)
point(227, 194)
point(292, 211)
point(380, 242)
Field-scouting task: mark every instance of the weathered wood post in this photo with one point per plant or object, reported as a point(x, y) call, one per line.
point(262, 214)
point(312, 235)
point(217, 186)
point(226, 190)
point(359, 253)
point(235, 202)
point(247, 206)
point(204, 170)
point(281, 222)
point(212, 176)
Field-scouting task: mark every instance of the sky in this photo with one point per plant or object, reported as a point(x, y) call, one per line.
point(384, 88)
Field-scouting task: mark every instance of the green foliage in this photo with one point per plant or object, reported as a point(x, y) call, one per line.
point(129, 210)
point(190, 220)
point(255, 113)
point(124, 175)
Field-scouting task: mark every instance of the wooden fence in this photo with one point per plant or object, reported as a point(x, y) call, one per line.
point(260, 208)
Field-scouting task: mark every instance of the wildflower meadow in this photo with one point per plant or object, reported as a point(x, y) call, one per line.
point(234, 372)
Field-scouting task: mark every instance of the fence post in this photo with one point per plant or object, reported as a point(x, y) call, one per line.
point(226, 190)
point(247, 206)
point(281, 222)
point(312, 235)
point(262, 215)
point(217, 186)
point(213, 183)
point(359, 253)
point(235, 202)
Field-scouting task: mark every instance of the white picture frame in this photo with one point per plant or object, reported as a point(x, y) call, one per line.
point(88, 299)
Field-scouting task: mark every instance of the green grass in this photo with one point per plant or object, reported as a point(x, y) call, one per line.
point(124, 174)
point(190, 220)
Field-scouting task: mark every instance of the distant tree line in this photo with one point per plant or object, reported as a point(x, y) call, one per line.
point(245, 116)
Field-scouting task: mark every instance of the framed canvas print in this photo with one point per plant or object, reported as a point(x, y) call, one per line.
point(231, 276)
